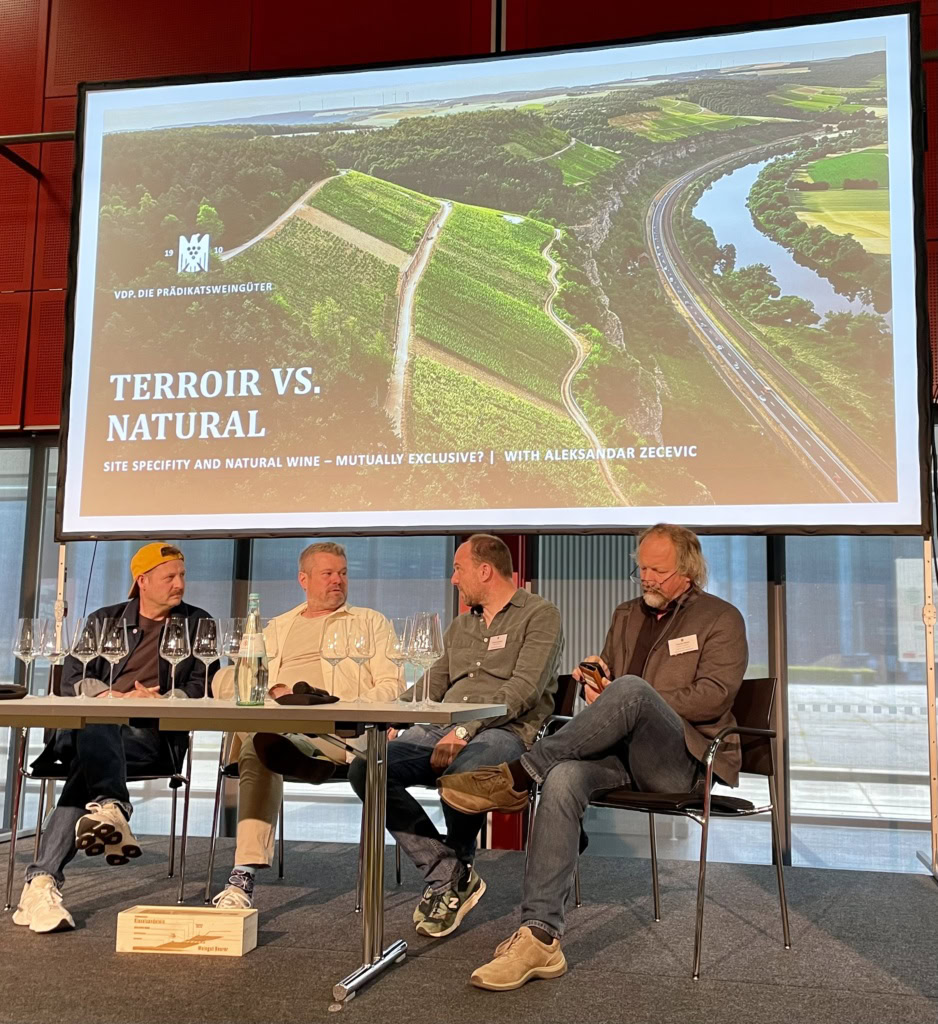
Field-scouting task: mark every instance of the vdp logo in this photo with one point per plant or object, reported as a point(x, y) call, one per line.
point(193, 254)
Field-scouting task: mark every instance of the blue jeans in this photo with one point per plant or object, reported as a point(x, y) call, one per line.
point(441, 860)
point(95, 763)
point(628, 736)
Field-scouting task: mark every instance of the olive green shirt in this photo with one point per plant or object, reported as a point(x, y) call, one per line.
point(513, 661)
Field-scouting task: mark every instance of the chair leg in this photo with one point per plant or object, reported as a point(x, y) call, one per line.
point(172, 835)
point(654, 866)
point(280, 844)
point(214, 833)
point(532, 810)
point(42, 800)
point(701, 889)
point(777, 845)
point(358, 883)
point(18, 782)
point(397, 862)
point(184, 839)
point(576, 884)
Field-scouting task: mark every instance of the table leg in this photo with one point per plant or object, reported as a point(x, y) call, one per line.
point(375, 958)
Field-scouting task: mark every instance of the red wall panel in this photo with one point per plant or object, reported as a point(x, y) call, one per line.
point(932, 286)
point(22, 57)
point(18, 196)
point(97, 40)
point(55, 198)
point(14, 329)
point(292, 35)
point(931, 154)
point(536, 23)
point(41, 405)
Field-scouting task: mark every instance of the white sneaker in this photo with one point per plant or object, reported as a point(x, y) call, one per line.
point(105, 825)
point(233, 897)
point(41, 907)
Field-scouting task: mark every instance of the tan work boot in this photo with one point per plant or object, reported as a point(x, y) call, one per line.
point(518, 960)
point(485, 789)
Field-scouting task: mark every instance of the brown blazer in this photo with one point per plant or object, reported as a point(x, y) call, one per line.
point(699, 685)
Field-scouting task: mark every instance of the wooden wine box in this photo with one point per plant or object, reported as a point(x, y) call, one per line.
point(203, 931)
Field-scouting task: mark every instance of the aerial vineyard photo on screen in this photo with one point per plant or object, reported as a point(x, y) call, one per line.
point(639, 291)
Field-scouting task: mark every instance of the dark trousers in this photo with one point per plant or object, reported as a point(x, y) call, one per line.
point(95, 763)
point(440, 859)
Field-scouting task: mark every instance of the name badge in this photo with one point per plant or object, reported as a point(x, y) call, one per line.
point(496, 643)
point(683, 644)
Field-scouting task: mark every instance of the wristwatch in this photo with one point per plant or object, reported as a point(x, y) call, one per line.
point(461, 732)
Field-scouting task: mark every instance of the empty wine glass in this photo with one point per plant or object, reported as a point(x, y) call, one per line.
point(426, 647)
point(207, 646)
point(85, 644)
point(334, 647)
point(395, 647)
point(26, 646)
point(174, 648)
point(232, 631)
point(54, 645)
point(113, 646)
point(361, 646)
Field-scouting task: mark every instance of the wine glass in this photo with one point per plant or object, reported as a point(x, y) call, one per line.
point(85, 644)
point(26, 646)
point(53, 645)
point(232, 631)
point(206, 646)
point(174, 648)
point(426, 647)
point(334, 646)
point(398, 638)
point(113, 646)
point(361, 645)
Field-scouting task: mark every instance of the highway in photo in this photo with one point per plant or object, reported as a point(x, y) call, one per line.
point(717, 329)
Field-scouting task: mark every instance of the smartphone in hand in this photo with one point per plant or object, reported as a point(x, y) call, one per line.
point(592, 675)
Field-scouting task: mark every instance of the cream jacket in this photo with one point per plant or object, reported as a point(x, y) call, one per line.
point(381, 679)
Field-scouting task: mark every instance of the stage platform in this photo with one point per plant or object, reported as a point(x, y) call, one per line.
point(865, 949)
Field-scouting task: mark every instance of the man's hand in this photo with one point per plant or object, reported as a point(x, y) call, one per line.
point(140, 690)
point(444, 753)
point(280, 690)
point(590, 693)
point(114, 693)
point(593, 659)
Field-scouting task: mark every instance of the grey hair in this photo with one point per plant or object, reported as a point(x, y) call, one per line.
point(321, 547)
point(690, 560)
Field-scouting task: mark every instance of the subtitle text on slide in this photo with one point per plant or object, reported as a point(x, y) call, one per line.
point(360, 460)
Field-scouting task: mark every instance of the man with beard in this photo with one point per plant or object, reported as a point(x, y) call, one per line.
point(662, 688)
point(504, 650)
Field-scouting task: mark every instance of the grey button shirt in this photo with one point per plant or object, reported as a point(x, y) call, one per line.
point(513, 661)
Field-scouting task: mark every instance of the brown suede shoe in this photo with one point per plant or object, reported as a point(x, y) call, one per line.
point(485, 789)
point(518, 960)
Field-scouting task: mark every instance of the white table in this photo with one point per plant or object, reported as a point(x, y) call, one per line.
point(222, 715)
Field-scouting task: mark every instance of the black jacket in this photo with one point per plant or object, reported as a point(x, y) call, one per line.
point(190, 674)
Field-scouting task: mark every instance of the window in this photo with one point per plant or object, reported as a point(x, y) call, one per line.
point(857, 702)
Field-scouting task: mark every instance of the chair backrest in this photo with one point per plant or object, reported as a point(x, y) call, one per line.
point(754, 708)
point(55, 681)
point(565, 696)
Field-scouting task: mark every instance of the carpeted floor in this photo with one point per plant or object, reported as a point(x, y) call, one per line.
point(864, 949)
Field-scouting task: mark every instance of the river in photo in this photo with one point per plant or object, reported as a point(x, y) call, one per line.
point(723, 207)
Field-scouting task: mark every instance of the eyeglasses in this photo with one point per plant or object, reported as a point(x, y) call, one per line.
point(636, 575)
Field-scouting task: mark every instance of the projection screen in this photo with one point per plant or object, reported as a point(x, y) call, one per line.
point(588, 289)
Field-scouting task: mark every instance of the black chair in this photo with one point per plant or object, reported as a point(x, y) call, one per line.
point(175, 766)
point(564, 700)
point(753, 710)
